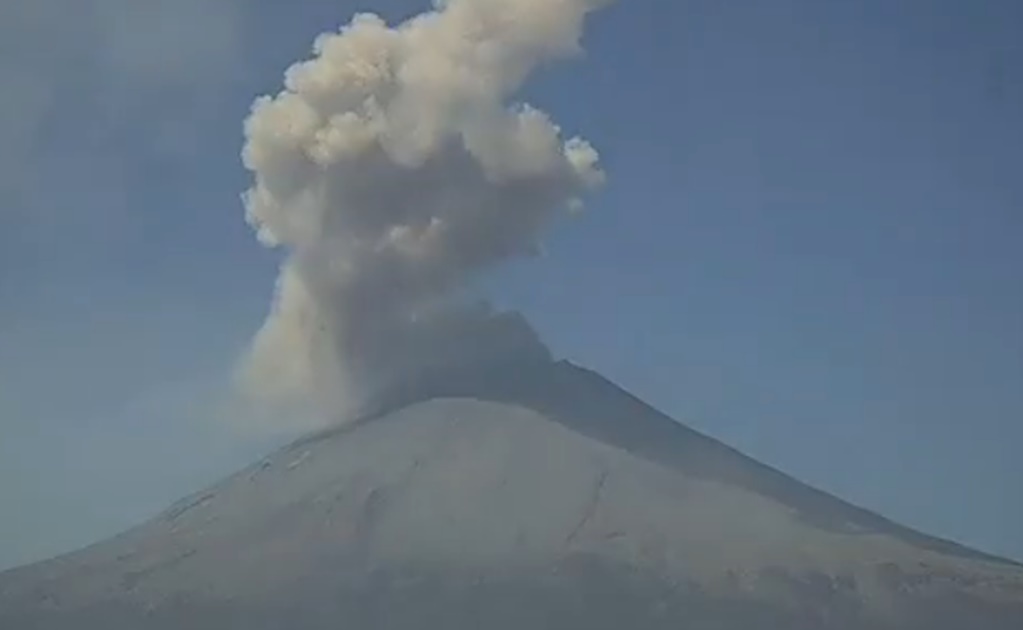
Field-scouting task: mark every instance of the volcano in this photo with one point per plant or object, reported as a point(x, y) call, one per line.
point(533, 496)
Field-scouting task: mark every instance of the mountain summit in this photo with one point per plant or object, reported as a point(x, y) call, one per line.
point(539, 496)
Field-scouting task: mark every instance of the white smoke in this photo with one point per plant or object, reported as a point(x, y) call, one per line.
point(393, 169)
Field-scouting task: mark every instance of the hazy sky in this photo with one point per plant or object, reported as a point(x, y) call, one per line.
point(808, 245)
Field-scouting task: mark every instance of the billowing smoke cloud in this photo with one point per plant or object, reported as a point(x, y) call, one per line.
point(393, 169)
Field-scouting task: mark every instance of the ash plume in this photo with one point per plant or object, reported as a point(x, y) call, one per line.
point(394, 168)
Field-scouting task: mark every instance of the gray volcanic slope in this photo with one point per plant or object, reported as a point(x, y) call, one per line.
point(551, 499)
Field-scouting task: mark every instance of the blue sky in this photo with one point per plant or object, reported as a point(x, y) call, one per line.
point(808, 245)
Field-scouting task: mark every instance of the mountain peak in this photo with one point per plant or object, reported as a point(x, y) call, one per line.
point(592, 405)
point(507, 498)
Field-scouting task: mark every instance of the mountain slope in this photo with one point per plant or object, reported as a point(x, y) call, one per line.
point(544, 499)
